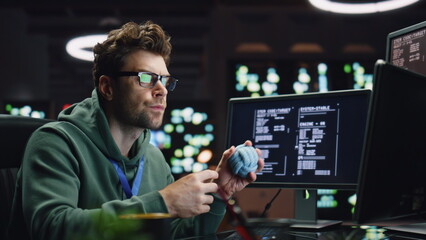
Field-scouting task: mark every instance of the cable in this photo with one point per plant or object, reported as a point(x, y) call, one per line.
point(269, 204)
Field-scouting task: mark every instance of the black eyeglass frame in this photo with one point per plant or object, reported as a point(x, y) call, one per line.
point(168, 82)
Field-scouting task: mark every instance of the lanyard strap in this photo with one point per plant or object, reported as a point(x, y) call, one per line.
point(124, 183)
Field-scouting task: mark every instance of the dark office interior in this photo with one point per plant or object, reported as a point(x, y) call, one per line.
point(211, 40)
point(206, 36)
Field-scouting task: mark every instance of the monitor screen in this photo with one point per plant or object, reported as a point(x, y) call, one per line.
point(406, 48)
point(392, 176)
point(308, 141)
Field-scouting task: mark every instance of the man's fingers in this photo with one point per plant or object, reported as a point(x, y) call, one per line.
point(210, 187)
point(252, 176)
point(203, 209)
point(207, 175)
point(208, 199)
point(259, 152)
point(227, 154)
point(260, 165)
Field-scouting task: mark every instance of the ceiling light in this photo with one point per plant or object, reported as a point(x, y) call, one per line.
point(306, 48)
point(360, 8)
point(253, 47)
point(358, 48)
point(81, 47)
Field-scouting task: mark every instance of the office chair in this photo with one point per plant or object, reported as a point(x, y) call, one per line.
point(14, 134)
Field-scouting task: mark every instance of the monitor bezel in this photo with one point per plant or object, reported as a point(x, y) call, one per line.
point(296, 185)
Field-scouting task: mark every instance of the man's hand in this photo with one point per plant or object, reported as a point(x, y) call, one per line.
point(188, 197)
point(228, 182)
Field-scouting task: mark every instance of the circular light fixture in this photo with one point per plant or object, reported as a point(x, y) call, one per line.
point(360, 8)
point(78, 47)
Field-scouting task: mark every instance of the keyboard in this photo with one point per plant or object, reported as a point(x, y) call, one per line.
point(275, 233)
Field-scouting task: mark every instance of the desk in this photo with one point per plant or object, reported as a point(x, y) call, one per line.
point(346, 231)
point(342, 233)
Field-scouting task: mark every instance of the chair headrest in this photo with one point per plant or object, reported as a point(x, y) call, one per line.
point(14, 134)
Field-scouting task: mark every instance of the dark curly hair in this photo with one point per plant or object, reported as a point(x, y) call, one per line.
point(111, 54)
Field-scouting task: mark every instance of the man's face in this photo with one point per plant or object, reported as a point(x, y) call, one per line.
point(135, 106)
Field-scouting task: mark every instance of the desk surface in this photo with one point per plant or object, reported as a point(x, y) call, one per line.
point(335, 233)
point(346, 231)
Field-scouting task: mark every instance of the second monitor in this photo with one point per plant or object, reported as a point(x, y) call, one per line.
point(309, 141)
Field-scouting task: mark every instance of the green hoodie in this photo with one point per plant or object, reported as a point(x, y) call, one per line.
point(67, 187)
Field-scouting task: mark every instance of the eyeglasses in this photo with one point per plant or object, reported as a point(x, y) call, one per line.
point(149, 79)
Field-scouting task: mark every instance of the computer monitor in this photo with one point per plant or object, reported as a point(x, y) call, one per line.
point(309, 141)
point(406, 48)
point(392, 181)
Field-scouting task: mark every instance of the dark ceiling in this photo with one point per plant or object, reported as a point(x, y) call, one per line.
point(189, 22)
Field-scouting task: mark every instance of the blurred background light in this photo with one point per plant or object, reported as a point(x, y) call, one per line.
point(360, 8)
point(209, 128)
point(168, 128)
point(205, 156)
point(197, 118)
point(81, 47)
point(180, 128)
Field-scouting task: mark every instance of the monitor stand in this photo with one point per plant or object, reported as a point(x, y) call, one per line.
point(305, 214)
point(306, 211)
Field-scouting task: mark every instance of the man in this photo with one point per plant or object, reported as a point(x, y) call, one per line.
point(95, 163)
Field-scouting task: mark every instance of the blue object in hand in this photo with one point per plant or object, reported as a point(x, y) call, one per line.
point(244, 160)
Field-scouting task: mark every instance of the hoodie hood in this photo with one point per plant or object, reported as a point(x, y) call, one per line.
point(90, 118)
